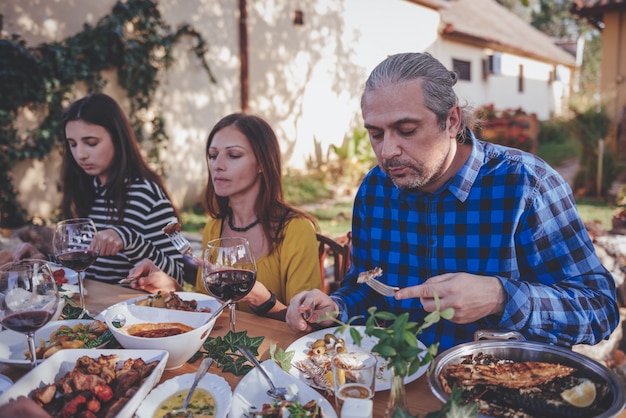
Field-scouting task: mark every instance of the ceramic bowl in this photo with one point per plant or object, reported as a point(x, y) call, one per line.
point(180, 347)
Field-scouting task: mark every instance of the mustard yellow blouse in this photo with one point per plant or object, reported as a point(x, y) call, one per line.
point(292, 268)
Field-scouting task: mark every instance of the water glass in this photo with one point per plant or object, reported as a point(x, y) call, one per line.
point(354, 376)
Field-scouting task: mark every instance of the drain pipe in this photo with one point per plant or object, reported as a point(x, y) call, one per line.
point(243, 54)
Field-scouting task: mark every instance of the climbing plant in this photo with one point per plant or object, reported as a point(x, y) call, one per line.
point(132, 39)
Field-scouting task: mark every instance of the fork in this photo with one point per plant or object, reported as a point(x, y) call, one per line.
point(380, 287)
point(182, 244)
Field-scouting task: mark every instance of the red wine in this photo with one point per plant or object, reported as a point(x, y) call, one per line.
point(230, 284)
point(77, 260)
point(27, 321)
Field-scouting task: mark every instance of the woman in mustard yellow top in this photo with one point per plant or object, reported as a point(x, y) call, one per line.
point(244, 198)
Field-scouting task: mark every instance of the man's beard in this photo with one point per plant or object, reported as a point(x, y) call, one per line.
point(418, 176)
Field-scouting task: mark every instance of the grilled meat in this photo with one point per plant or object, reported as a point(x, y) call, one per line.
point(503, 388)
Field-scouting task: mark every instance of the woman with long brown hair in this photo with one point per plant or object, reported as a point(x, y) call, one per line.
point(244, 198)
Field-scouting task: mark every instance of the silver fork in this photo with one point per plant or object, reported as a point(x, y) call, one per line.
point(172, 230)
point(380, 287)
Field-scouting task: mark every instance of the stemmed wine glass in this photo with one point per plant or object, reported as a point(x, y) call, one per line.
point(76, 246)
point(229, 271)
point(29, 298)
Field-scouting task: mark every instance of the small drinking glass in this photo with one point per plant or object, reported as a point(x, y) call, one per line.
point(354, 376)
point(229, 271)
point(29, 298)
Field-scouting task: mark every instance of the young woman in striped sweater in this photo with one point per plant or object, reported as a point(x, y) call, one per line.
point(106, 179)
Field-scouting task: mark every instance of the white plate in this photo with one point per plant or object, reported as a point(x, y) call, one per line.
point(13, 344)
point(215, 385)
point(252, 391)
point(55, 367)
point(383, 379)
point(204, 301)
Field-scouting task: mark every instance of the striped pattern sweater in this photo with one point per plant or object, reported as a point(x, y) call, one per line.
point(147, 211)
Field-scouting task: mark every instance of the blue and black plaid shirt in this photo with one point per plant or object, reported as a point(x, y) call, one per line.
point(507, 214)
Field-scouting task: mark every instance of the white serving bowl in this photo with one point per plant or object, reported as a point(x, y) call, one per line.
point(180, 347)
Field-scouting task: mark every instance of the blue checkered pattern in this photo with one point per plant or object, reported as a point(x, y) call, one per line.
point(505, 214)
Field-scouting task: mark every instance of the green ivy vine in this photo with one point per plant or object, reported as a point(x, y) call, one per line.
point(133, 39)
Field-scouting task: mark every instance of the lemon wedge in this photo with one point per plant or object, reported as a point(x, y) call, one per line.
point(581, 395)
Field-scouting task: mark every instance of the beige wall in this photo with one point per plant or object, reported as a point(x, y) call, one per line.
point(614, 63)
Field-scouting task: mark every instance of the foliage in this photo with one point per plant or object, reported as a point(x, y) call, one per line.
point(300, 189)
point(555, 19)
point(133, 39)
point(589, 126)
point(508, 127)
point(281, 357)
point(355, 157)
point(224, 351)
point(553, 130)
point(397, 343)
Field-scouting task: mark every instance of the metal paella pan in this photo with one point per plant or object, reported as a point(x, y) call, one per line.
point(613, 393)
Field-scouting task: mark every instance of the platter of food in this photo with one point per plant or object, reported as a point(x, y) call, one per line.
point(309, 362)
point(184, 301)
point(250, 396)
point(211, 398)
point(52, 337)
point(65, 384)
point(531, 378)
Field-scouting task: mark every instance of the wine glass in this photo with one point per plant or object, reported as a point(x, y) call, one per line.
point(76, 246)
point(229, 271)
point(29, 298)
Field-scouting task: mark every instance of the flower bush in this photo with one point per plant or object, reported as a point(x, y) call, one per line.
point(510, 127)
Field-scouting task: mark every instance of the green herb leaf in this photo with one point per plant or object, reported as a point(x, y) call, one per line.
point(224, 351)
point(281, 357)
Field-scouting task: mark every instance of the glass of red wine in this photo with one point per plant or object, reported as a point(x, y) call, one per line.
point(229, 271)
point(29, 298)
point(76, 246)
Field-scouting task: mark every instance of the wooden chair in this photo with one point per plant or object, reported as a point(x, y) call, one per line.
point(339, 250)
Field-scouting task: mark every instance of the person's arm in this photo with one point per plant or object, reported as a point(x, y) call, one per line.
point(351, 298)
point(563, 294)
point(142, 232)
point(146, 276)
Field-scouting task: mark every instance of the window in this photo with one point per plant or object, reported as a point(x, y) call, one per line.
point(462, 68)
point(520, 79)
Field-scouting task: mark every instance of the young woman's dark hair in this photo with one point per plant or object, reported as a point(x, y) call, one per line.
point(128, 163)
point(271, 208)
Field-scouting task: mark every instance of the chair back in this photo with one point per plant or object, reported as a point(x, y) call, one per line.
point(339, 251)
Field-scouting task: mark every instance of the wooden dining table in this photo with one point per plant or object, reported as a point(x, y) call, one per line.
point(102, 295)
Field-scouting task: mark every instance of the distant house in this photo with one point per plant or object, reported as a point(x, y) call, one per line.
point(302, 64)
point(610, 17)
point(504, 60)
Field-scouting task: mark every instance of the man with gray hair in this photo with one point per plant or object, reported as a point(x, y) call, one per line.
point(493, 231)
